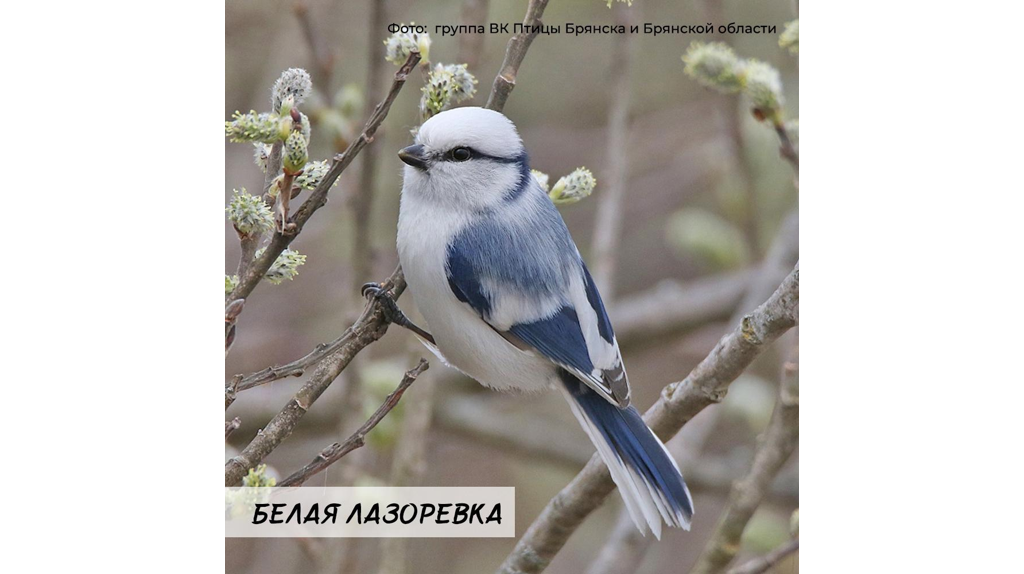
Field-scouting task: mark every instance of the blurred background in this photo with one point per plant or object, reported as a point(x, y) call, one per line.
point(708, 230)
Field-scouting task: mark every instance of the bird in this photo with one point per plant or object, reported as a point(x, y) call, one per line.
point(508, 300)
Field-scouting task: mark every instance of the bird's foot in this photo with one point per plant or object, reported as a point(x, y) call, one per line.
point(390, 309)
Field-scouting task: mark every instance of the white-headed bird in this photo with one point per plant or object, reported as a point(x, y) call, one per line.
point(509, 301)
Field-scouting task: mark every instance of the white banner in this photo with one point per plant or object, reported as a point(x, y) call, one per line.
point(370, 512)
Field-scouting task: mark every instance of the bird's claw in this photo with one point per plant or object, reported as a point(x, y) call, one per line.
point(371, 289)
point(389, 308)
point(387, 303)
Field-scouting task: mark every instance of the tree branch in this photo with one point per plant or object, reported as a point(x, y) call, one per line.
point(371, 326)
point(707, 384)
point(766, 562)
point(231, 426)
point(786, 146)
point(318, 198)
point(774, 447)
point(337, 451)
point(505, 81)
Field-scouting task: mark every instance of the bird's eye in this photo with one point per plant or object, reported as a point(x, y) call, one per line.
point(461, 154)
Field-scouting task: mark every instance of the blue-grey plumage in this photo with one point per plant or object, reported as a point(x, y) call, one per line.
point(510, 302)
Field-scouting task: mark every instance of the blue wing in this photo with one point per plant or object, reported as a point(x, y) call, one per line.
point(525, 278)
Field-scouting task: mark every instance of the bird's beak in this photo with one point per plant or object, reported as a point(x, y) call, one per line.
point(414, 155)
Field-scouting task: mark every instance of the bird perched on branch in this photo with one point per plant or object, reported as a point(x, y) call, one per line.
point(509, 301)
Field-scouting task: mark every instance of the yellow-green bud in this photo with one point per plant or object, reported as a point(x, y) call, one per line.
point(295, 154)
point(249, 214)
point(463, 83)
point(437, 92)
point(400, 44)
point(252, 127)
point(294, 83)
point(790, 37)
point(284, 127)
point(286, 106)
point(573, 187)
point(762, 84)
point(446, 85)
point(304, 127)
point(714, 65)
point(286, 266)
point(313, 174)
point(230, 282)
point(258, 477)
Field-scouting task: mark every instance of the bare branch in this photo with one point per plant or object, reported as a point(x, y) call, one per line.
point(230, 391)
point(518, 44)
point(775, 446)
point(231, 426)
point(786, 146)
point(231, 313)
point(707, 384)
point(318, 198)
point(766, 562)
point(371, 326)
point(337, 451)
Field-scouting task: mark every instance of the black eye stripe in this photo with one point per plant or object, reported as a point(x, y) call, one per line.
point(476, 155)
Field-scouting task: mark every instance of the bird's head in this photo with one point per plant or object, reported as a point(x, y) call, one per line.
point(469, 158)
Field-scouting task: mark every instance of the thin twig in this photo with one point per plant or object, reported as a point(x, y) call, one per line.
point(318, 198)
point(231, 312)
point(786, 146)
point(765, 563)
point(230, 391)
point(608, 222)
point(707, 384)
point(371, 326)
point(231, 426)
point(774, 447)
point(505, 81)
point(337, 451)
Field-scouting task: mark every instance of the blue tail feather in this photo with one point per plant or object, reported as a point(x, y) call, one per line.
point(631, 441)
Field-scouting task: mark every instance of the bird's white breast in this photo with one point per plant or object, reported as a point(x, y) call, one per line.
point(467, 342)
